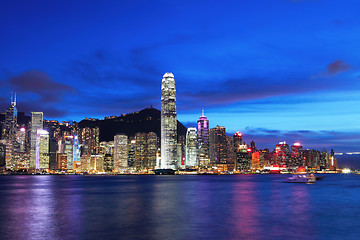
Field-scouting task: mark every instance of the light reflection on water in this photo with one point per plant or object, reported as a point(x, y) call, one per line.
point(178, 207)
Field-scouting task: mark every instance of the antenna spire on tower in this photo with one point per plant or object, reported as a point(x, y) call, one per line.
point(13, 99)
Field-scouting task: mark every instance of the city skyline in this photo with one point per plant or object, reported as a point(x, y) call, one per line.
point(282, 71)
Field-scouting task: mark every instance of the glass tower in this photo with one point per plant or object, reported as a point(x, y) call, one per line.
point(11, 121)
point(168, 123)
point(36, 123)
point(121, 152)
point(203, 140)
point(191, 148)
point(42, 150)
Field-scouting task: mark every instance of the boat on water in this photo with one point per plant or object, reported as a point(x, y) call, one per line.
point(302, 178)
point(164, 172)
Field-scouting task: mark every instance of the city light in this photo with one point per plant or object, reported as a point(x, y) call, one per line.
point(78, 148)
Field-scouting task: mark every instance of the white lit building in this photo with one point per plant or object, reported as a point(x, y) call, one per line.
point(191, 148)
point(42, 150)
point(36, 124)
point(168, 123)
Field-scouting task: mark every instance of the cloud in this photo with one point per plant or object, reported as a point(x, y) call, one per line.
point(248, 89)
point(265, 89)
point(35, 106)
point(337, 67)
point(41, 84)
point(104, 69)
point(339, 141)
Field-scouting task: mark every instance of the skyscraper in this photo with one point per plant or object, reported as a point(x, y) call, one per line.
point(168, 123)
point(42, 150)
point(203, 140)
point(218, 145)
point(68, 149)
point(11, 121)
point(2, 156)
point(121, 152)
point(152, 148)
point(36, 123)
point(140, 151)
point(296, 155)
point(10, 130)
point(242, 155)
point(191, 148)
point(282, 153)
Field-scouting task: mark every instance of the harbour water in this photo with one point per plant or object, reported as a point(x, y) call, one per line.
point(178, 207)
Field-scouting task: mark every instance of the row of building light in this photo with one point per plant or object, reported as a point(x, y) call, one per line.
point(75, 149)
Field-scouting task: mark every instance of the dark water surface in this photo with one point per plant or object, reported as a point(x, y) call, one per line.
point(178, 207)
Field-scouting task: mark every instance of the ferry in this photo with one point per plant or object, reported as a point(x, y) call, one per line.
point(302, 178)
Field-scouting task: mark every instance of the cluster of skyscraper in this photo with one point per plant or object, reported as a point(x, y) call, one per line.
point(206, 148)
point(52, 146)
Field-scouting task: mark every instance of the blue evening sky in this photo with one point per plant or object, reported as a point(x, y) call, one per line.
point(274, 69)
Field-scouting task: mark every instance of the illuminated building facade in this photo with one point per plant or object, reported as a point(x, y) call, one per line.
point(132, 148)
point(258, 160)
point(21, 160)
point(42, 150)
point(282, 154)
point(108, 163)
point(107, 147)
point(218, 145)
point(230, 150)
point(53, 147)
point(121, 152)
point(10, 131)
point(70, 146)
point(93, 163)
point(181, 151)
point(152, 149)
point(11, 121)
point(20, 139)
point(36, 124)
point(7, 146)
point(191, 148)
point(61, 161)
point(168, 123)
point(68, 149)
point(85, 162)
point(145, 150)
point(89, 140)
point(242, 153)
point(2, 156)
point(296, 155)
point(140, 151)
point(333, 164)
point(203, 140)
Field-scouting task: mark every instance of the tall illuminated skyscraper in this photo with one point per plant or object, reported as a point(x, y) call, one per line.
point(140, 151)
point(203, 140)
point(121, 152)
point(11, 121)
point(191, 148)
point(152, 148)
point(282, 153)
point(42, 150)
point(218, 145)
point(296, 154)
point(243, 154)
point(168, 123)
point(36, 123)
point(70, 146)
